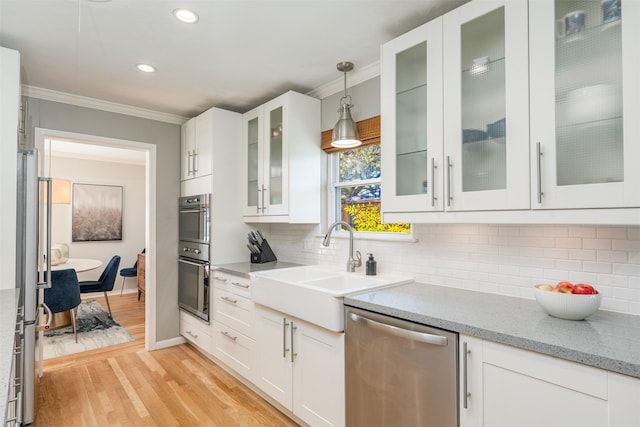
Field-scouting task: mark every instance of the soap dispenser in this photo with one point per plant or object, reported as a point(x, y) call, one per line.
point(371, 266)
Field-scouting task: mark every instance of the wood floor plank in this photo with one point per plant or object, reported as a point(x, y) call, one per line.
point(124, 385)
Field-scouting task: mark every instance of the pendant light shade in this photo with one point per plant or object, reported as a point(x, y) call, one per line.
point(345, 132)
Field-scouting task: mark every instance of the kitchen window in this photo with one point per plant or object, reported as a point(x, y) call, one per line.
point(355, 176)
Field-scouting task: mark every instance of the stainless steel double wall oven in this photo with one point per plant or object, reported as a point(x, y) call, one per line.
point(193, 255)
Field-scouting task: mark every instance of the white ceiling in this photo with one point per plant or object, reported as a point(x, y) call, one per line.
point(240, 54)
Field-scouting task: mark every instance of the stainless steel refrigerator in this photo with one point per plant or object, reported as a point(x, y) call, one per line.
point(33, 253)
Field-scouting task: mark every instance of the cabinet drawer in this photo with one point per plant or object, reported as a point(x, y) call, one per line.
point(231, 283)
point(234, 349)
point(195, 331)
point(233, 310)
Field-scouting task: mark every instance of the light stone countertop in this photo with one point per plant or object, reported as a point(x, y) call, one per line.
point(243, 269)
point(605, 340)
point(8, 312)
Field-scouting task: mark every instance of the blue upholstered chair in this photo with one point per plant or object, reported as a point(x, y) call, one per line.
point(64, 294)
point(129, 272)
point(105, 282)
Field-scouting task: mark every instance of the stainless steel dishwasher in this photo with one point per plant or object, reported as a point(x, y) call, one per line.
point(399, 373)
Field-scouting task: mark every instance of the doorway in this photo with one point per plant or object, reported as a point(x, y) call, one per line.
point(131, 155)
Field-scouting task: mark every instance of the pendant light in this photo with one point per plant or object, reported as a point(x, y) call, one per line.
point(345, 132)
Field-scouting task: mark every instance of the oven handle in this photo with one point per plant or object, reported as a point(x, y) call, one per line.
point(197, 264)
point(193, 210)
point(401, 332)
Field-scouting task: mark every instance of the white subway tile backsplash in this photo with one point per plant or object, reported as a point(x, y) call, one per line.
point(502, 259)
point(604, 244)
point(583, 254)
point(611, 232)
point(612, 256)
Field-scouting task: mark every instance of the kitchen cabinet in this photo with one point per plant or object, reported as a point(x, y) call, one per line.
point(486, 106)
point(233, 323)
point(195, 331)
point(505, 386)
point(281, 160)
point(533, 125)
point(584, 132)
point(197, 145)
point(301, 366)
point(412, 131)
point(444, 131)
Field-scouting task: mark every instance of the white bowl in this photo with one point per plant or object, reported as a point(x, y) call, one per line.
point(567, 306)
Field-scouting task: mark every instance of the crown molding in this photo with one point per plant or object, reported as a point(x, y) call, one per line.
point(356, 77)
point(83, 101)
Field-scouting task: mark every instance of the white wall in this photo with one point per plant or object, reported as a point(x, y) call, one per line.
point(500, 259)
point(132, 179)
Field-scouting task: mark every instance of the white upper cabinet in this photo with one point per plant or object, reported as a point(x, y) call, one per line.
point(535, 121)
point(411, 104)
point(281, 160)
point(585, 94)
point(197, 145)
point(486, 106)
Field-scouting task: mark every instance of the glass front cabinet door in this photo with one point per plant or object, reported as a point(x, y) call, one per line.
point(265, 191)
point(252, 161)
point(486, 106)
point(411, 125)
point(585, 130)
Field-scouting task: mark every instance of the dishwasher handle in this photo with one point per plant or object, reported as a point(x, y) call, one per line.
point(401, 332)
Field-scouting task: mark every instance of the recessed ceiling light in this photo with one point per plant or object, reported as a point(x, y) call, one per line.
point(146, 68)
point(186, 15)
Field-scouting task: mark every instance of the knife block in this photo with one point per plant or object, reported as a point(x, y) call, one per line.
point(266, 254)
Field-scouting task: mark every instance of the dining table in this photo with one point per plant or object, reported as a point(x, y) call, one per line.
point(78, 264)
point(62, 319)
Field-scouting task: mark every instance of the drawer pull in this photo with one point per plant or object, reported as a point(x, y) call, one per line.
point(222, 279)
point(194, 336)
point(226, 334)
point(240, 285)
point(229, 300)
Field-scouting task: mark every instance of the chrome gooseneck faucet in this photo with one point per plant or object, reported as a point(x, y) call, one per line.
point(352, 262)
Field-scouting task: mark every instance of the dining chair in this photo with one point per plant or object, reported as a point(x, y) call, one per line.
point(105, 282)
point(64, 294)
point(129, 272)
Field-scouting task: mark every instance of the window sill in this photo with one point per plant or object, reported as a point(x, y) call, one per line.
point(382, 237)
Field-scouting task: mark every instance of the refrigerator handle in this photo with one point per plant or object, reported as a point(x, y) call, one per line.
point(47, 282)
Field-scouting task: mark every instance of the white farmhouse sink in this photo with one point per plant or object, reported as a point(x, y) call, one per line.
point(313, 294)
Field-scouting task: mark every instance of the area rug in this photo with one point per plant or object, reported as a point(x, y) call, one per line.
point(95, 330)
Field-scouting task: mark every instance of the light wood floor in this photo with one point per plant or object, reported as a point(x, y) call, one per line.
point(124, 385)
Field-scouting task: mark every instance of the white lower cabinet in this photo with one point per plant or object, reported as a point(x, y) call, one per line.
point(233, 337)
point(506, 386)
point(301, 366)
point(195, 331)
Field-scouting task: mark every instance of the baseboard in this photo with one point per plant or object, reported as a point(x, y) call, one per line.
point(168, 343)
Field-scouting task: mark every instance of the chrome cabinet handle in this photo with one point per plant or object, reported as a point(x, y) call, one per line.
point(240, 285)
point(284, 337)
point(449, 196)
point(401, 332)
point(539, 170)
point(195, 164)
point(222, 279)
point(229, 300)
point(258, 190)
point(189, 156)
point(191, 334)
point(293, 328)
point(465, 391)
point(433, 182)
point(228, 335)
point(264, 190)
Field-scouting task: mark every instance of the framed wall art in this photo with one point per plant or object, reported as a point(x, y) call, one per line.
point(96, 213)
